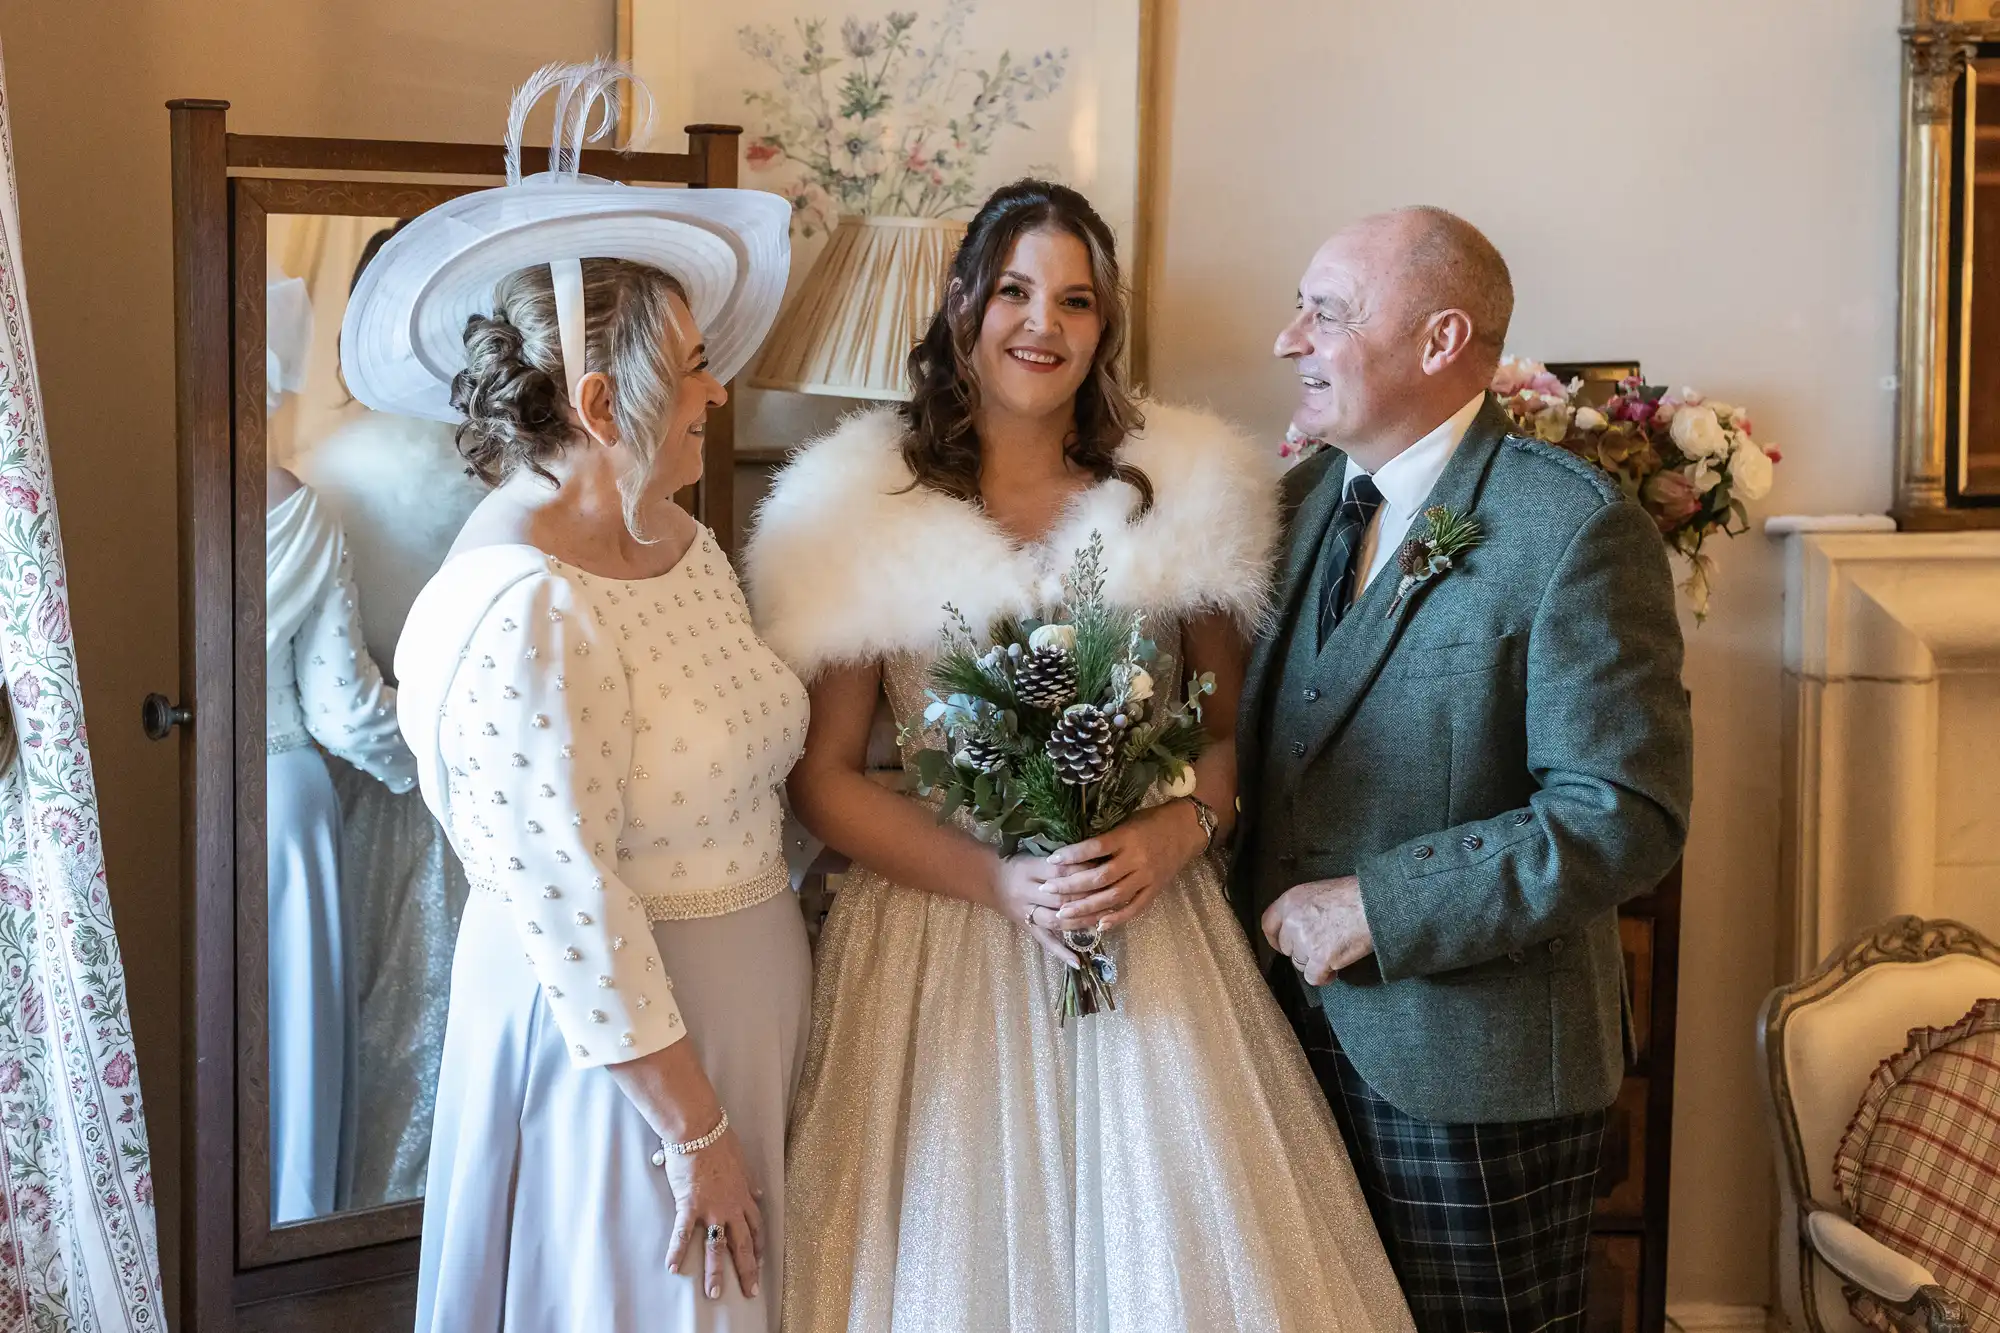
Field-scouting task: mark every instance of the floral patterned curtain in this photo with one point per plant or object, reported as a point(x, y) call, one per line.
point(78, 1250)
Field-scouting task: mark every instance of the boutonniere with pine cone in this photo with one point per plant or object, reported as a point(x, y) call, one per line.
point(1424, 558)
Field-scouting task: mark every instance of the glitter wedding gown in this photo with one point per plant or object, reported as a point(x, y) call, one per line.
point(958, 1159)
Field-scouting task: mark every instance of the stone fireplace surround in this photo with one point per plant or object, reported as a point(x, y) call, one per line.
point(1891, 798)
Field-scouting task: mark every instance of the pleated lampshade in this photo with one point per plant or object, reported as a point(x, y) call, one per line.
point(865, 304)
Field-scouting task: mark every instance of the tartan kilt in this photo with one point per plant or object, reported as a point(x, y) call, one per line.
point(1487, 1225)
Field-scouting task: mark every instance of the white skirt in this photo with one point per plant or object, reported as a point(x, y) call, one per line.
point(311, 1004)
point(543, 1212)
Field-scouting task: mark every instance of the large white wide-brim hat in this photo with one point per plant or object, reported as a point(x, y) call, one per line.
point(403, 338)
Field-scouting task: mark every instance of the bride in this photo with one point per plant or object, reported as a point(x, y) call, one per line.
point(957, 1158)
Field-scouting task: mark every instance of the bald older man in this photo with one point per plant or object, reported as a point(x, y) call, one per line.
point(1453, 771)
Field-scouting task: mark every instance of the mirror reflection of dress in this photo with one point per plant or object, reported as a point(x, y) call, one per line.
point(399, 492)
point(321, 686)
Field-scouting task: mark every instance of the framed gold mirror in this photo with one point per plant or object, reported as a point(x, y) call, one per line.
point(1972, 459)
point(1948, 409)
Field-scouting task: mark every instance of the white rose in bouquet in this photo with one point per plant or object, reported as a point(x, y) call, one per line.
point(1183, 783)
point(1059, 638)
point(1699, 435)
point(1750, 471)
point(1591, 420)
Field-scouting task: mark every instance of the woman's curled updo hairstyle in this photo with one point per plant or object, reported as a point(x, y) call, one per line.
point(941, 446)
point(512, 389)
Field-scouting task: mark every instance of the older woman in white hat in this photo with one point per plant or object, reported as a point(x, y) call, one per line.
point(602, 735)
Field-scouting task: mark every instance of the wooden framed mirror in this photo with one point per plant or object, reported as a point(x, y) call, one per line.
point(316, 974)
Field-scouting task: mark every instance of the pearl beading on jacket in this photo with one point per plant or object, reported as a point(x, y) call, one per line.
point(613, 751)
point(769, 882)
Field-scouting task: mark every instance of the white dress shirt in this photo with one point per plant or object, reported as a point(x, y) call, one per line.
point(1406, 482)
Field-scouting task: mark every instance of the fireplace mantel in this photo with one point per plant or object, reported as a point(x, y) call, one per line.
point(1873, 623)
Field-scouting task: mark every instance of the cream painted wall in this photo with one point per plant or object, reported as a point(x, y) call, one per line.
point(1709, 186)
point(86, 87)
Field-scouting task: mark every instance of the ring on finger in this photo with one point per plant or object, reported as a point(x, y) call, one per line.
point(715, 1233)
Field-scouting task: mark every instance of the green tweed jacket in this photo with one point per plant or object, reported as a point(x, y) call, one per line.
point(1503, 759)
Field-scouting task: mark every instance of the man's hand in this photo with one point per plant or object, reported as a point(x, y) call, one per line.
point(1321, 927)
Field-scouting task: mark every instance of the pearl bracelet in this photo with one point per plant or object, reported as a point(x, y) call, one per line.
point(692, 1146)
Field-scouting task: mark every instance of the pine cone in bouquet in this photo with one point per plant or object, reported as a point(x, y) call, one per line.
point(980, 755)
point(1046, 678)
point(1082, 745)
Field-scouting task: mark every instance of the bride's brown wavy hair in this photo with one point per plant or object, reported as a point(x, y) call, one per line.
point(941, 446)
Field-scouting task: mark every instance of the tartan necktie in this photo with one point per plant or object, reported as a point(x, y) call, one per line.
point(1340, 551)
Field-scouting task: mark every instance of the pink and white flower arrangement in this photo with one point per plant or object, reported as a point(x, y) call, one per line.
point(1691, 462)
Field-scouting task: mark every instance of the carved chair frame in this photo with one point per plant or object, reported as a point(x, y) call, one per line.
point(1901, 939)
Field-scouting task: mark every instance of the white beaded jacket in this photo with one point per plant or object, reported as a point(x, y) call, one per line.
point(850, 564)
point(320, 684)
point(604, 754)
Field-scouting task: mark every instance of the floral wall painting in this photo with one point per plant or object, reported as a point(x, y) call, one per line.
point(893, 116)
point(905, 108)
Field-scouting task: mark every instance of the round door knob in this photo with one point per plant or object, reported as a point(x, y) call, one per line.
point(159, 717)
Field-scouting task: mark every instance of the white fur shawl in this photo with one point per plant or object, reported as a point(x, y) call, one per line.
point(399, 489)
point(847, 566)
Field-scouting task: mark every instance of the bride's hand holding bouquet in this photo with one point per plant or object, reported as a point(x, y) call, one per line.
point(1108, 880)
point(1023, 891)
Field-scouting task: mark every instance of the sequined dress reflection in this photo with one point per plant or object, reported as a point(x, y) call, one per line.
point(959, 1159)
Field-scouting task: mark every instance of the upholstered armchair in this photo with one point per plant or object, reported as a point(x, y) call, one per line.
point(1831, 1044)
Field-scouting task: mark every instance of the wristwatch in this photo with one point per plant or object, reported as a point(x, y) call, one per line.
point(1209, 823)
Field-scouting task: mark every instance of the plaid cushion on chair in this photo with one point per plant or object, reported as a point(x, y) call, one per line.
point(1919, 1166)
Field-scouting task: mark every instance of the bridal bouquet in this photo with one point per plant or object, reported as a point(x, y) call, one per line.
point(1054, 734)
point(1690, 462)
